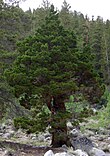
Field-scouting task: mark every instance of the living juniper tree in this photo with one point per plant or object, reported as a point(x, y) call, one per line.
point(49, 66)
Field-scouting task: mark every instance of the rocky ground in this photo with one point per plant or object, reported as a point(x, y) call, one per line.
point(100, 137)
point(17, 143)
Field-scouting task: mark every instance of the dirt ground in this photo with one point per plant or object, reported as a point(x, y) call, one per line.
point(17, 149)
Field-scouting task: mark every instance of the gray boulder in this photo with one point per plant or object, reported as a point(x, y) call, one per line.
point(82, 143)
point(79, 152)
point(96, 152)
point(74, 133)
point(50, 153)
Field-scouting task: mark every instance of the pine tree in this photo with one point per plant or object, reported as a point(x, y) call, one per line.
point(66, 16)
point(96, 36)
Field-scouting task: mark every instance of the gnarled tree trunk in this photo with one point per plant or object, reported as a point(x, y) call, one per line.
point(58, 122)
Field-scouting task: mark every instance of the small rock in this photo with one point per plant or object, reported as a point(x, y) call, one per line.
point(100, 138)
point(69, 125)
point(65, 148)
point(41, 138)
point(62, 154)
point(34, 138)
point(104, 146)
point(109, 147)
point(8, 153)
point(47, 139)
point(49, 153)
point(3, 126)
point(103, 131)
point(74, 133)
point(108, 127)
point(108, 138)
point(7, 135)
point(1, 134)
point(47, 134)
point(89, 133)
point(107, 154)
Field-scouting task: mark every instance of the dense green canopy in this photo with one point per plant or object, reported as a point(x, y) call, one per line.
point(47, 61)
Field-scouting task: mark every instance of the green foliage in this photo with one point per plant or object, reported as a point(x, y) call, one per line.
point(102, 117)
point(15, 25)
point(46, 61)
point(104, 114)
point(39, 116)
point(37, 123)
point(78, 109)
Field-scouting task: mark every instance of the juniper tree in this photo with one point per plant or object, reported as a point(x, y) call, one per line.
point(49, 67)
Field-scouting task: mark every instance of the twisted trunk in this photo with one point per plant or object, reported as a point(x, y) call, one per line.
point(58, 121)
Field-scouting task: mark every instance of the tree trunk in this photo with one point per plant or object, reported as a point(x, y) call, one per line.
point(58, 122)
point(59, 133)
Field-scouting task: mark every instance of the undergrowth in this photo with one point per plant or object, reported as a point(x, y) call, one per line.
point(102, 118)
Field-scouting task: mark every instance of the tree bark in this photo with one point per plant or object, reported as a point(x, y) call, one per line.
point(59, 133)
point(58, 122)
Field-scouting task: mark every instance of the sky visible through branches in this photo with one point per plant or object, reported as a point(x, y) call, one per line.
point(87, 7)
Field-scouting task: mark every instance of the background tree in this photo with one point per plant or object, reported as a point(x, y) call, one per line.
point(13, 2)
point(15, 25)
point(96, 45)
point(106, 51)
point(66, 16)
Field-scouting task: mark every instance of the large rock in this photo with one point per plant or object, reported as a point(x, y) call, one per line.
point(89, 133)
point(50, 153)
point(82, 143)
point(79, 152)
point(96, 152)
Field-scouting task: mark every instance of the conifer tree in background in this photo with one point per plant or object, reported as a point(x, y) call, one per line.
point(50, 67)
point(39, 14)
point(66, 16)
point(106, 51)
point(15, 24)
point(96, 44)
